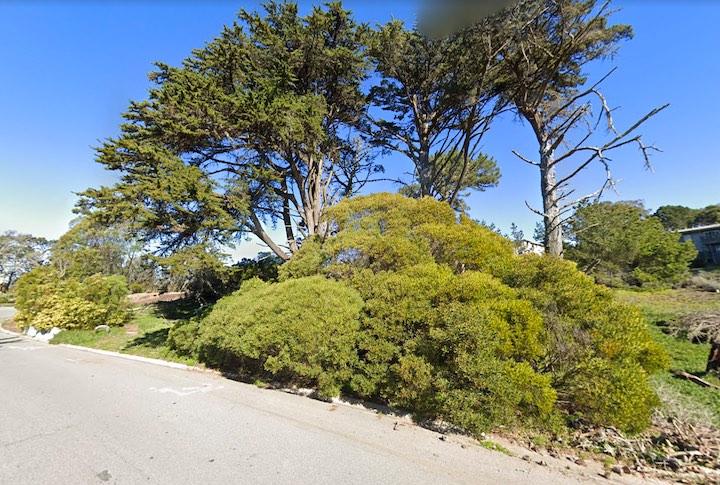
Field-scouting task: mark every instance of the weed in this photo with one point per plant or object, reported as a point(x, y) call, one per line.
point(491, 445)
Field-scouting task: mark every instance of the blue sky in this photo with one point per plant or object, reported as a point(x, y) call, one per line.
point(70, 69)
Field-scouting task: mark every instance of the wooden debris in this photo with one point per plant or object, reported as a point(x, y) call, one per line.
point(695, 379)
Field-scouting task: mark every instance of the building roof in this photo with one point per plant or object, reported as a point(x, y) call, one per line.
point(699, 229)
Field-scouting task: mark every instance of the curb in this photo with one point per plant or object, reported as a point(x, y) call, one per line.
point(138, 358)
point(147, 360)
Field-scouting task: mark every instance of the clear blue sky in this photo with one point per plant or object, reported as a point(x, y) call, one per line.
point(70, 68)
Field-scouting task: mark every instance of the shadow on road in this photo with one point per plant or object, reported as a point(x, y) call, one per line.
point(9, 340)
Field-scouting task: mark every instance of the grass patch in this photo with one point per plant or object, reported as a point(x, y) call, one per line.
point(145, 335)
point(680, 397)
point(491, 445)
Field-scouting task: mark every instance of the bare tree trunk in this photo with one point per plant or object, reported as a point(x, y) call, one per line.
point(713, 362)
point(258, 230)
point(551, 201)
point(423, 168)
point(287, 221)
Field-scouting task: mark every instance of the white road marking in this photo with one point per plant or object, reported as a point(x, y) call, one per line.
point(15, 347)
point(186, 391)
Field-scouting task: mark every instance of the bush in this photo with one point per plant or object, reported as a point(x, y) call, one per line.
point(408, 304)
point(183, 336)
point(459, 327)
point(590, 336)
point(45, 300)
point(460, 347)
point(302, 331)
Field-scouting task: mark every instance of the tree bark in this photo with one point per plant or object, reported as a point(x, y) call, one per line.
point(551, 201)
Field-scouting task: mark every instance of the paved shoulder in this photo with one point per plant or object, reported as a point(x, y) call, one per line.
point(75, 417)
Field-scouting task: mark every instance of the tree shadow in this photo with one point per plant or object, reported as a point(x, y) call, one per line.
point(177, 310)
point(10, 340)
point(153, 340)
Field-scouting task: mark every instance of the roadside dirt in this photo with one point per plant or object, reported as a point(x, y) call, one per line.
point(10, 325)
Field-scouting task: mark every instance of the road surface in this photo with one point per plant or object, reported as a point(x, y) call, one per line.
point(6, 312)
point(73, 417)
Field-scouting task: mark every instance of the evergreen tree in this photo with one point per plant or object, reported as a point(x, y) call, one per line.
point(254, 129)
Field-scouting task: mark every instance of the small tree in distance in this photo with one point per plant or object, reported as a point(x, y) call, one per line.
point(20, 253)
point(620, 244)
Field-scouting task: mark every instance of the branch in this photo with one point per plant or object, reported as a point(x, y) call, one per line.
point(541, 214)
point(537, 164)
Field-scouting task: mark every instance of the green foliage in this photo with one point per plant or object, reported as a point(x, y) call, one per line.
point(45, 300)
point(183, 337)
point(390, 232)
point(302, 330)
point(198, 271)
point(264, 266)
point(146, 334)
point(619, 245)
point(454, 325)
point(675, 217)
point(252, 124)
point(615, 392)
point(90, 248)
point(451, 173)
point(439, 92)
point(680, 397)
point(20, 253)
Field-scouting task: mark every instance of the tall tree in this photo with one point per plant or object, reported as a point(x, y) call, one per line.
point(253, 130)
point(545, 79)
point(89, 248)
point(435, 102)
point(674, 217)
point(20, 253)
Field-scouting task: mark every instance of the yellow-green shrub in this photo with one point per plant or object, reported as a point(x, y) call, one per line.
point(456, 326)
point(47, 300)
point(302, 330)
point(460, 347)
point(596, 346)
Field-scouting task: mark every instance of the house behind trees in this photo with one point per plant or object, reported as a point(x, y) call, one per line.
point(706, 240)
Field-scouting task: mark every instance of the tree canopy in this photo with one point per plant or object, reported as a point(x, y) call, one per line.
point(437, 99)
point(675, 217)
point(253, 130)
point(20, 253)
point(620, 244)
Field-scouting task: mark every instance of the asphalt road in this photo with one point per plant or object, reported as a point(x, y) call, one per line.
point(74, 417)
point(6, 312)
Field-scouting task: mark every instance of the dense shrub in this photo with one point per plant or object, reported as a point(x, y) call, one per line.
point(303, 331)
point(458, 346)
point(457, 326)
point(45, 300)
point(406, 303)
